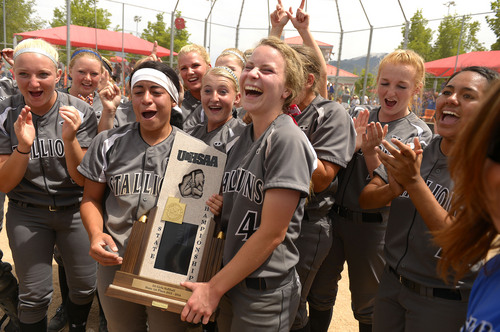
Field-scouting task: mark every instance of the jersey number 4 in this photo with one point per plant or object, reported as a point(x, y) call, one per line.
point(248, 226)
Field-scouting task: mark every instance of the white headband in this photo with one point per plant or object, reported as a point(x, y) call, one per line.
point(234, 53)
point(231, 72)
point(35, 50)
point(156, 76)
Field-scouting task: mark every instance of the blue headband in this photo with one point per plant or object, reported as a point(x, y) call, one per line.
point(87, 51)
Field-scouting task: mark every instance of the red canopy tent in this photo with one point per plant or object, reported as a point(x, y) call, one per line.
point(89, 37)
point(332, 71)
point(444, 67)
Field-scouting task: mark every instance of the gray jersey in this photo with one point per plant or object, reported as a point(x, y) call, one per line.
point(189, 105)
point(409, 246)
point(124, 114)
point(222, 138)
point(97, 106)
point(281, 157)
point(47, 181)
point(195, 118)
point(96, 103)
point(355, 176)
point(332, 135)
point(133, 171)
point(8, 87)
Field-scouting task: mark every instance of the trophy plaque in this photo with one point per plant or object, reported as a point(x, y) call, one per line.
point(176, 242)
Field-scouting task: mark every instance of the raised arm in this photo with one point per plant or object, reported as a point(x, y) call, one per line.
point(373, 137)
point(277, 211)
point(279, 19)
point(13, 166)
point(8, 55)
point(301, 23)
point(72, 150)
point(110, 98)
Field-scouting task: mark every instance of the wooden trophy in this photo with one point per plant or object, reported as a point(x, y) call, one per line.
point(176, 242)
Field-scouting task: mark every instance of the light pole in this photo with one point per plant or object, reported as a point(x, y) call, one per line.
point(137, 19)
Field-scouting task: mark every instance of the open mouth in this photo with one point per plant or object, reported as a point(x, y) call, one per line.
point(449, 117)
point(36, 94)
point(215, 108)
point(253, 91)
point(148, 114)
point(390, 103)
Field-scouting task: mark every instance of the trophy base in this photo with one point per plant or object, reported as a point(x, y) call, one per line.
point(148, 292)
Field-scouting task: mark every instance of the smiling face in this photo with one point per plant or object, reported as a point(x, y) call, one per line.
point(232, 62)
point(263, 82)
point(218, 96)
point(36, 77)
point(85, 74)
point(395, 88)
point(192, 68)
point(459, 99)
point(152, 107)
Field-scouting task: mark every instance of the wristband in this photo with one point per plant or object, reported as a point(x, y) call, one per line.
point(23, 152)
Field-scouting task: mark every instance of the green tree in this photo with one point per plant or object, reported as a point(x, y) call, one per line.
point(20, 18)
point(494, 23)
point(358, 85)
point(446, 43)
point(83, 13)
point(158, 31)
point(419, 36)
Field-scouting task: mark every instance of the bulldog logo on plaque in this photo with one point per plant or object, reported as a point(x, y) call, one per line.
point(176, 241)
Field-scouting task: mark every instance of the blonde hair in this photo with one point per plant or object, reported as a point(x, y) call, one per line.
point(88, 53)
point(196, 49)
point(410, 58)
point(294, 74)
point(45, 49)
point(236, 53)
point(472, 233)
point(227, 73)
point(310, 62)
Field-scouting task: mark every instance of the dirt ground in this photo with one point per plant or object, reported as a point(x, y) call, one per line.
point(343, 320)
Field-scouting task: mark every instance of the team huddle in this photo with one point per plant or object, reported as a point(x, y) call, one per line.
point(308, 186)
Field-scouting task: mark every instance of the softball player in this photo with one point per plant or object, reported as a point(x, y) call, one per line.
point(331, 133)
point(8, 87)
point(86, 69)
point(220, 91)
point(358, 234)
point(193, 63)
point(43, 135)
point(262, 215)
point(411, 296)
point(235, 60)
point(141, 149)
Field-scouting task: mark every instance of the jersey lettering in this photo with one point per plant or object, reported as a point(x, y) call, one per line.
point(197, 158)
point(472, 325)
point(49, 148)
point(244, 182)
point(248, 226)
point(442, 194)
point(121, 184)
